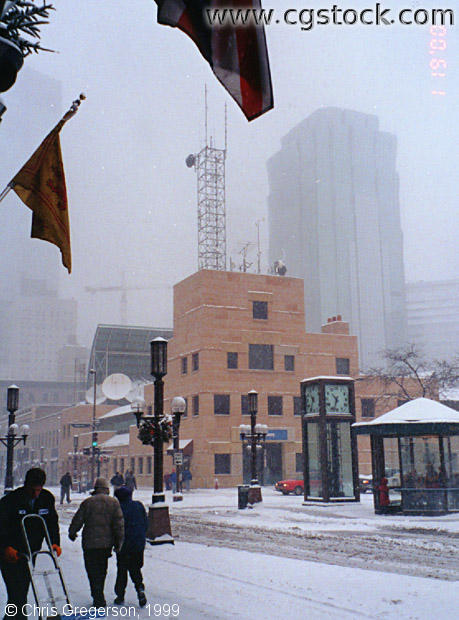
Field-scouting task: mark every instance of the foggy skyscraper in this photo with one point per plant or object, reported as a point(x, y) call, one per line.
point(334, 218)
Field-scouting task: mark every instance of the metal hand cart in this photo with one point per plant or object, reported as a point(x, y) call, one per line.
point(50, 574)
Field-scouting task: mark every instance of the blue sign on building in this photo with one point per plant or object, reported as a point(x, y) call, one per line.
point(277, 434)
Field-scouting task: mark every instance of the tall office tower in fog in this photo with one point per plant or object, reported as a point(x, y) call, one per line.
point(35, 323)
point(334, 218)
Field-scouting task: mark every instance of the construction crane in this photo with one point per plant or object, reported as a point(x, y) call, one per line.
point(124, 289)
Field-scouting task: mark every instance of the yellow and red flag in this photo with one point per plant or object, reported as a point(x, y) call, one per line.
point(40, 184)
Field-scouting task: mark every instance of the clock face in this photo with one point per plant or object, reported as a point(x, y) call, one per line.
point(312, 398)
point(337, 398)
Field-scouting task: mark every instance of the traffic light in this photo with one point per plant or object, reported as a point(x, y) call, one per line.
point(94, 440)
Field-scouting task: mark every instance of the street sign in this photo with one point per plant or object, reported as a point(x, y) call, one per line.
point(80, 425)
point(178, 458)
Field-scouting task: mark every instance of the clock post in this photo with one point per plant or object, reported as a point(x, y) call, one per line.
point(329, 447)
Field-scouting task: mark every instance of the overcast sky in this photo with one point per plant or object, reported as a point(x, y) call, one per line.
point(133, 200)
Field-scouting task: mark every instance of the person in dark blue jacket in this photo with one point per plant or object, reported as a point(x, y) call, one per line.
point(130, 558)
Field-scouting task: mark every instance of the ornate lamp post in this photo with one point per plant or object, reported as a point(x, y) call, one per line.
point(154, 431)
point(13, 436)
point(178, 407)
point(253, 436)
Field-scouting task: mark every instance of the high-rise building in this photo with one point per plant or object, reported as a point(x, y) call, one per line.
point(432, 313)
point(334, 219)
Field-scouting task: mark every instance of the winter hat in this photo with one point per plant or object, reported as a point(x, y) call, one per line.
point(101, 483)
point(123, 494)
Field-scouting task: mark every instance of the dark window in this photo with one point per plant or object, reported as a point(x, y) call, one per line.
point(260, 309)
point(184, 365)
point(148, 464)
point(261, 357)
point(289, 362)
point(274, 405)
point(185, 413)
point(195, 405)
point(244, 404)
point(115, 468)
point(140, 464)
point(221, 404)
point(222, 463)
point(368, 407)
point(342, 366)
point(231, 360)
point(133, 465)
point(299, 462)
point(122, 466)
point(297, 405)
point(195, 361)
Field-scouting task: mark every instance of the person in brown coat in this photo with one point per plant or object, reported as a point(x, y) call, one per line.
point(102, 521)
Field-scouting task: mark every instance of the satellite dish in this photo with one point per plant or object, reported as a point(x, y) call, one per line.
point(116, 386)
point(190, 160)
point(100, 398)
point(136, 391)
point(280, 268)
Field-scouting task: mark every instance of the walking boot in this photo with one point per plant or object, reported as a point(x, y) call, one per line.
point(142, 597)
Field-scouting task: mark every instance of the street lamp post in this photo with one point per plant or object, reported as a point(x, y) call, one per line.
point(13, 436)
point(178, 407)
point(75, 457)
point(155, 430)
point(255, 437)
point(94, 449)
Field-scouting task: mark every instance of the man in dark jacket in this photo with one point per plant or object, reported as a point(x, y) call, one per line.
point(117, 481)
point(66, 484)
point(28, 499)
point(102, 521)
point(130, 558)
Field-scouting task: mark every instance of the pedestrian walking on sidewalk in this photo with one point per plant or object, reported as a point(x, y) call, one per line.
point(31, 498)
point(130, 558)
point(66, 485)
point(102, 521)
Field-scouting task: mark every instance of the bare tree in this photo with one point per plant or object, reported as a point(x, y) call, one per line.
point(408, 375)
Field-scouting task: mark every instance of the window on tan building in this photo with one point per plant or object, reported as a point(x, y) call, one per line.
point(133, 465)
point(260, 309)
point(148, 464)
point(195, 362)
point(195, 404)
point(184, 365)
point(261, 356)
point(244, 404)
point(231, 360)
point(289, 362)
point(222, 463)
point(140, 464)
point(185, 413)
point(342, 366)
point(221, 404)
point(275, 405)
point(368, 407)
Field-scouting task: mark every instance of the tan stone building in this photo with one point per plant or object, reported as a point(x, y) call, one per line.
point(236, 332)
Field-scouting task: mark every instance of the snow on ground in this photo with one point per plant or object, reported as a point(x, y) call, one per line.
point(194, 581)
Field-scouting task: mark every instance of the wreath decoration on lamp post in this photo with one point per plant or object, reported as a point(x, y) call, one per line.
point(147, 430)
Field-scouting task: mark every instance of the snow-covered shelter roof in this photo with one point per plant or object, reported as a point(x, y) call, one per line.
point(118, 411)
point(416, 417)
point(117, 440)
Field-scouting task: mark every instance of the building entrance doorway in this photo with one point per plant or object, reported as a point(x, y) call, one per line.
point(273, 463)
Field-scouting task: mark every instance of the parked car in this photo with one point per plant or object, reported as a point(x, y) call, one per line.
point(290, 486)
point(365, 483)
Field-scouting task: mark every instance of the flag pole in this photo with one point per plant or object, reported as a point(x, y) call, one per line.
point(68, 115)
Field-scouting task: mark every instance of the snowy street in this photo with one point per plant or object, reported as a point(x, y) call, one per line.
point(257, 563)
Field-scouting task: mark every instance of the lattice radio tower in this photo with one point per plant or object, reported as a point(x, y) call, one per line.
point(209, 164)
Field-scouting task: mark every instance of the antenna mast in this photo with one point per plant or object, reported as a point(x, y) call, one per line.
point(209, 164)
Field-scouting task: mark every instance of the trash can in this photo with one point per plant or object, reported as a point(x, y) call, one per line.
point(242, 496)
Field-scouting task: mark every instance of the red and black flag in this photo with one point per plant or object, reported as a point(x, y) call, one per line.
point(236, 53)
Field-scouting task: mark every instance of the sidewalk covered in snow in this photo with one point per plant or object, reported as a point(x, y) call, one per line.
point(426, 434)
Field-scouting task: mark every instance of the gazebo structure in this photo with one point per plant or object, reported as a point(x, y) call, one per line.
point(421, 438)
